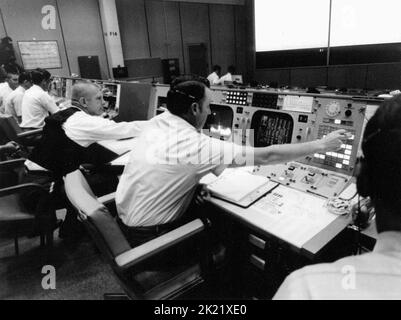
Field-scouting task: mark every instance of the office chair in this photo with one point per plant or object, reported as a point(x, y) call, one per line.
point(11, 131)
point(127, 262)
point(12, 211)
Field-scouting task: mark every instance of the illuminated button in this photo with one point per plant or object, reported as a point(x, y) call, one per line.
point(347, 152)
point(322, 156)
point(339, 165)
point(316, 155)
point(337, 121)
point(343, 146)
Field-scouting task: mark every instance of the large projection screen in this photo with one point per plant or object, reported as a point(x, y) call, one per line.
point(291, 24)
point(362, 22)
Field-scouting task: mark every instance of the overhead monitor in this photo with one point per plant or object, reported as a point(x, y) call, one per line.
point(291, 24)
point(361, 22)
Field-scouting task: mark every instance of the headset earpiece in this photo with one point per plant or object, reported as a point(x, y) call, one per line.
point(362, 178)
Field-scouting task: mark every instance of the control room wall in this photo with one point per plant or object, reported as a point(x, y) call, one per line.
point(78, 29)
point(164, 29)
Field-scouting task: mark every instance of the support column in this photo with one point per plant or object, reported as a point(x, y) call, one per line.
point(111, 34)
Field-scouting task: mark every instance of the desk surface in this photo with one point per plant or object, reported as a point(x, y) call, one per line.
point(255, 222)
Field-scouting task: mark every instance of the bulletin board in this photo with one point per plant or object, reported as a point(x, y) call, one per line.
point(40, 54)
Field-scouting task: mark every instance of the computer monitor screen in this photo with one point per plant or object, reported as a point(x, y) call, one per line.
point(220, 121)
point(271, 128)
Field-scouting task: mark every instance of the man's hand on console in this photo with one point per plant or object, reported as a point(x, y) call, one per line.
point(334, 140)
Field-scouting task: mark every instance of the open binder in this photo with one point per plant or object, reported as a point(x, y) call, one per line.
point(240, 187)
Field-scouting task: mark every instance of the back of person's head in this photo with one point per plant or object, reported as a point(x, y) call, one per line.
point(217, 68)
point(83, 89)
point(39, 75)
point(379, 175)
point(231, 69)
point(184, 91)
point(24, 76)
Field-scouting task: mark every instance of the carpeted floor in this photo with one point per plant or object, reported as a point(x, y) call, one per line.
point(80, 272)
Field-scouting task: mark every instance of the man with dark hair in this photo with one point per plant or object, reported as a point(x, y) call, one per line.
point(172, 155)
point(13, 102)
point(37, 103)
point(215, 75)
point(7, 87)
point(228, 77)
point(374, 275)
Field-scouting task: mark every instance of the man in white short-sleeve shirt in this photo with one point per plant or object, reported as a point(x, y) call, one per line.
point(13, 103)
point(171, 155)
point(214, 77)
point(6, 88)
point(37, 103)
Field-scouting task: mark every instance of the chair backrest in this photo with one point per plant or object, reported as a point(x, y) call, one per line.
point(9, 127)
point(98, 220)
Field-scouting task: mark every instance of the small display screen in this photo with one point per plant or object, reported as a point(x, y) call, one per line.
point(271, 128)
point(220, 121)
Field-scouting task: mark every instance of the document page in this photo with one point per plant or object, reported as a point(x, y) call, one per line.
point(292, 215)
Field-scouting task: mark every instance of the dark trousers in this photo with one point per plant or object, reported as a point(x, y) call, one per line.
point(139, 235)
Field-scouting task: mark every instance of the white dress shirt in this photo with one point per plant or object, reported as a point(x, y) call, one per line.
point(213, 78)
point(85, 129)
point(167, 162)
point(370, 276)
point(13, 102)
point(226, 77)
point(5, 91)
point(36, 106)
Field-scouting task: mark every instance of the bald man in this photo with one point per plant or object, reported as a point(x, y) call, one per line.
point(69, 140)
point(68, 135)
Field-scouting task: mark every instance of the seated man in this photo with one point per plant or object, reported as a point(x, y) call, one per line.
point(37, 103)
point(13, 103)
point(172, 155)
point(228, 77)
point(374, 275)
point(70, 136)
point(7, 87)
point(215, 75)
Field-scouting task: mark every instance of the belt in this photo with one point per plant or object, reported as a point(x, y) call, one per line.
point(156, 229)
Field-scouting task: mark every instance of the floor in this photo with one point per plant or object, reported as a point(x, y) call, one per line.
point(80, 273)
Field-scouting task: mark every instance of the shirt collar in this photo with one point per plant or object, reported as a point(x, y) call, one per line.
point(388, 241)
point(37, 87)
point(172, 118)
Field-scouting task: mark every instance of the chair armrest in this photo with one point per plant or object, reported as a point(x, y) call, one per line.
point(29, 133)
point(165, 241)
point(108, 198)
point(12, 164)
point(21, 187)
